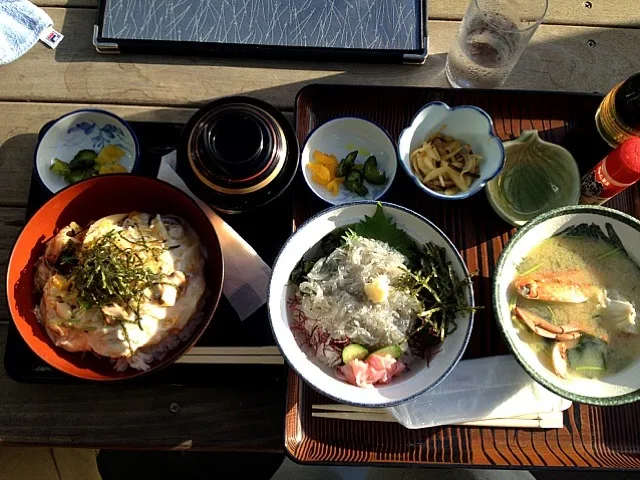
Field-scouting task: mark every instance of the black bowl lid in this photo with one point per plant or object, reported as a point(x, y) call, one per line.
point(237, 153)
point(236, 148)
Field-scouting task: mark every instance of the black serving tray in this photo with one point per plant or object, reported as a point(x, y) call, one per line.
point(225, 329)
point(389, 31)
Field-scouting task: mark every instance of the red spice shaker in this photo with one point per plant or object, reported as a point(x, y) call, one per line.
point(617, 171)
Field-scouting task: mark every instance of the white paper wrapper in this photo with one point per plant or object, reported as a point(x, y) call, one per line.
point(246, 276)
point(480, 389)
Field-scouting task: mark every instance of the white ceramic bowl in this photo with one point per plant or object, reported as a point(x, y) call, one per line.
point(341, 136)
point(79, 130)
point(467, 123)
point(622, 387)
point(305, 240)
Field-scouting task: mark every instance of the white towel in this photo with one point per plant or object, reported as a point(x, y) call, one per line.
point(21, 24)
point(246, 276)
point(480, 389)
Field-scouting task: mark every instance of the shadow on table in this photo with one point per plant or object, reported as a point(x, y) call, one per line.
point(549, 63)
point(617, 434)
point(10, 169)
point(128, 465)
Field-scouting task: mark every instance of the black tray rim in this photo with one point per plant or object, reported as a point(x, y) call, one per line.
point(415, 56)
point(12, 331)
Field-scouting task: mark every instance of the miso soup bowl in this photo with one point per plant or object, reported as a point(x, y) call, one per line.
point(613, 389)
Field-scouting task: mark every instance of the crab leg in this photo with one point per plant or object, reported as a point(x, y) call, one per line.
point(566, 287)
point(544, 328)
point(559, 359)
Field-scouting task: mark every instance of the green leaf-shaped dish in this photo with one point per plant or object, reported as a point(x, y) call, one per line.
point(538, 176)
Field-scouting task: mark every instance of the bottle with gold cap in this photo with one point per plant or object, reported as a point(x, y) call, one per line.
point(618, 117)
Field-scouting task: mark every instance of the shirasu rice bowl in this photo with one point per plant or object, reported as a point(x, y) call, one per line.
point(369, 308)
point(333, 299)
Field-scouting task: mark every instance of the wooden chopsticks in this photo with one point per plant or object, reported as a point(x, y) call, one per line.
point(269, 355)
point(347, 412)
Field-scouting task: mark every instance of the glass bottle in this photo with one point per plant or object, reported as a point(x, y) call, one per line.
point(618, 117)
point(616, 172)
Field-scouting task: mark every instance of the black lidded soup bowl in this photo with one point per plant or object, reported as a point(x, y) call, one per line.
point(238, 153)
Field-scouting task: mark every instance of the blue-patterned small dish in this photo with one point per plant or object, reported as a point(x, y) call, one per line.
point(341, 136)
point(467, 123)
point(89, 129)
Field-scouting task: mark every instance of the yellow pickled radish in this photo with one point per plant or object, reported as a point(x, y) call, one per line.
point(109, 154)
point(320, 173)
point(326, 160)
point(334, 185)
point(112, 168)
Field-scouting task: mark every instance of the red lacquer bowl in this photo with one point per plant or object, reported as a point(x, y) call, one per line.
point(82, 203)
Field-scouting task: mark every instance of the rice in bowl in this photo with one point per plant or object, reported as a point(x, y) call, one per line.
point(128, 287)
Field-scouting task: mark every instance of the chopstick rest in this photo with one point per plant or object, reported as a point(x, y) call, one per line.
point(246, 275)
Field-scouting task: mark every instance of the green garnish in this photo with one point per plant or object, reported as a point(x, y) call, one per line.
point(442, 294)
point(84, 159)
point(371, 172)
point(82, 166)
point(300, 270)
point(553, 319)
point(107, 273)
point(346, 164)
point(59, 167)
point(608, 254)
point(353, 183)
point(354, 174)
point(530, 270)
point(590, 368)
point(380, 227)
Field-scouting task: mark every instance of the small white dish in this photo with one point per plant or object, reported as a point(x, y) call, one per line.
point(466, 123)
point(306, 240)
point(616, 389)
point(341, 136)
point(89, 129)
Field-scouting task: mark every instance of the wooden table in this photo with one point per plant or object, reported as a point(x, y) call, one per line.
point(578, 49)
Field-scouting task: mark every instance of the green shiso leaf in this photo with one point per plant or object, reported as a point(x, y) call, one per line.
point(383, 228)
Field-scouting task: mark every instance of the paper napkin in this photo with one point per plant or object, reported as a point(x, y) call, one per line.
point(479, 389)
point(246, 276)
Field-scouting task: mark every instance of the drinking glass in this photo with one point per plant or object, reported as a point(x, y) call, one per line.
point(492, 36)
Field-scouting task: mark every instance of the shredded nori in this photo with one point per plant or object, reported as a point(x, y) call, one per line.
point(587, 230)
point(442, 294)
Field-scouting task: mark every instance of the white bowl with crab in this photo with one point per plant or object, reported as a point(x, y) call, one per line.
point(341, 136)
point(611, 389)
point(86, 129)
point(304, 243)
point(467, 123)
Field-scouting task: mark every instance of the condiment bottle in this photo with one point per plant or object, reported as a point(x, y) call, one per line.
point(618, 117)
point(617, 171)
